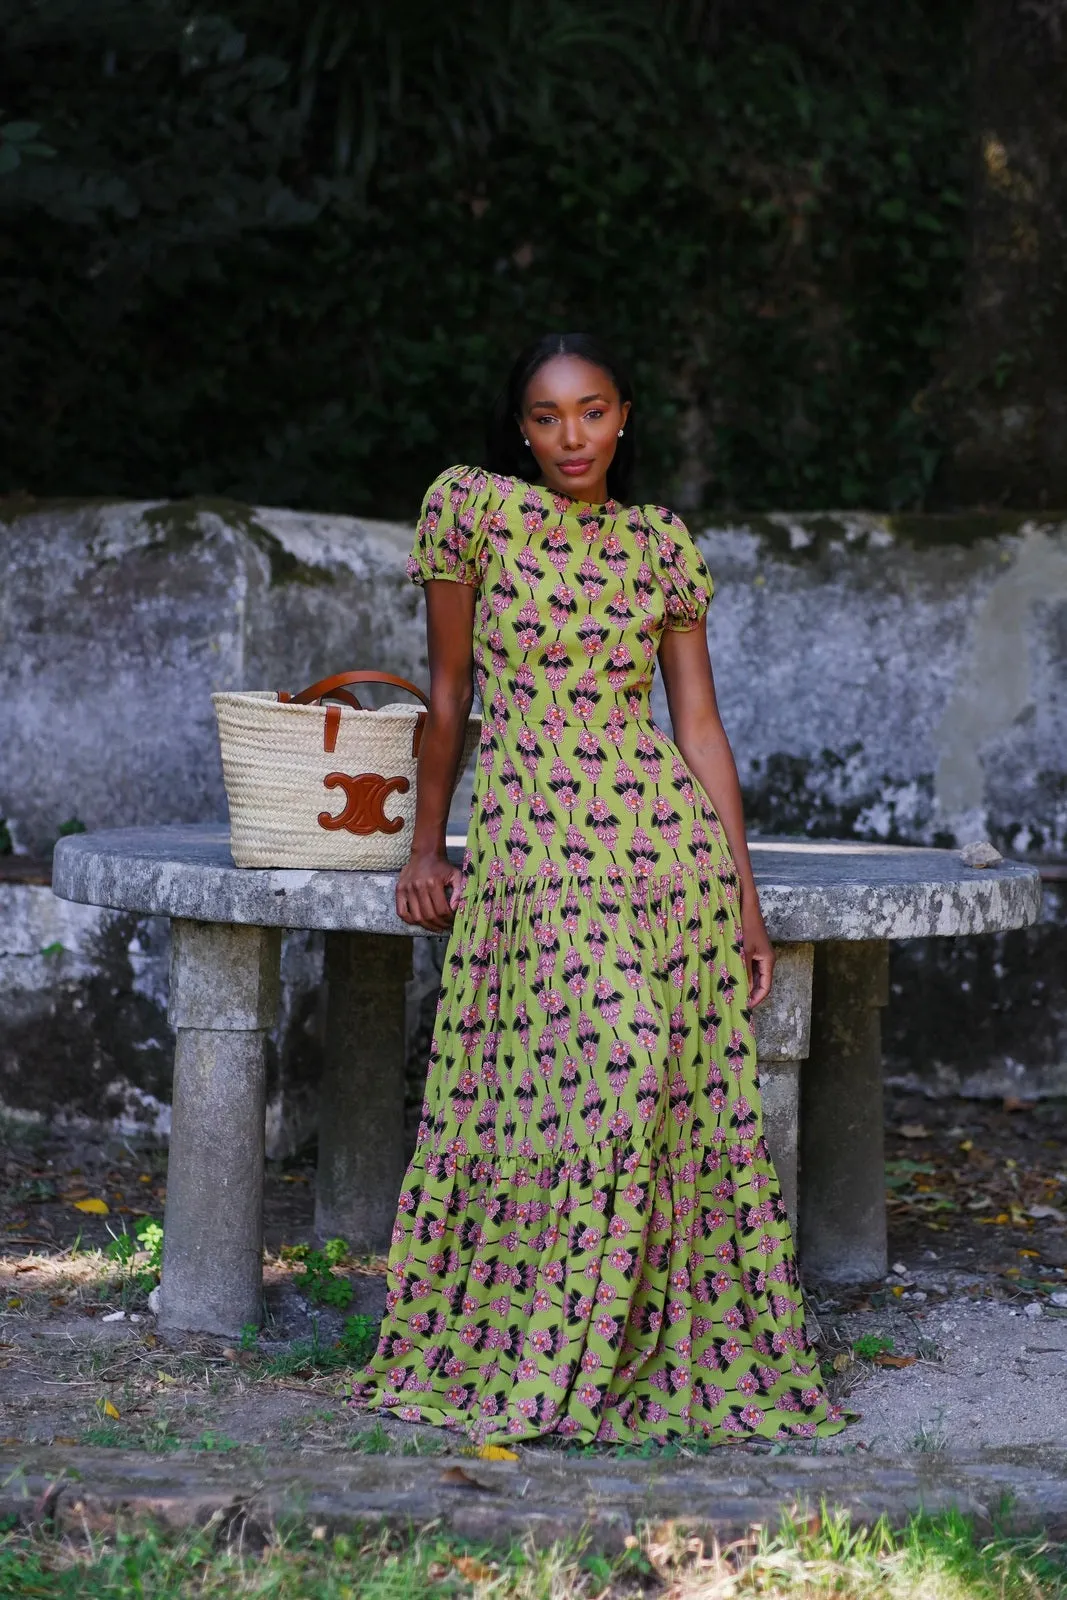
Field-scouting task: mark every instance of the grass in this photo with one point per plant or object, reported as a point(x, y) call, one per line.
point(940, 1558)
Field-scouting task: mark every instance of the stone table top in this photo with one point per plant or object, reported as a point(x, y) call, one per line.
point(809, 889)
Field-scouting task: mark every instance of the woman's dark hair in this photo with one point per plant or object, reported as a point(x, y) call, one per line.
point(505, 451)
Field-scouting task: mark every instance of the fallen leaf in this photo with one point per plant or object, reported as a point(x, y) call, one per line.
point(472, 1569)
point(491, 1452)
point(108, 1409)
point(462, 1479)
point(14, 1303)
point(28, 1266)
point(895, 1361)
point(997, 1221)
point(96, 1208)
point(913, 1130)
point(842, 1361)
point(1047, 1213)
point(62, 1438)
point(1034, 1254)
point(166, 1377)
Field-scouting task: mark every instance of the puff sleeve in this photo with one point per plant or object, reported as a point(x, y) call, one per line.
point(680, 569)
point(450, 528)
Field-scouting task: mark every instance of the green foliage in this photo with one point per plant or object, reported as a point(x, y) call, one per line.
point(318, 1281)
point(358, 1338)
point(284, 252)
point(139, 1255)
point(869, 1345)
point(7, 844)
point(941, 1557)
point(309, 1357)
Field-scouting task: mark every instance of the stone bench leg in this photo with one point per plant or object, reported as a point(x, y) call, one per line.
point(223, 1000)
point(361, 1103)
point(842, 1160)
point(781, 1026)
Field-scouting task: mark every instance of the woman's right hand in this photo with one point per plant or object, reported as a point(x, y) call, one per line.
point(428, 892)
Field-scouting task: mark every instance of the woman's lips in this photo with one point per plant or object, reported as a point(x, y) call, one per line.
point(575, 469)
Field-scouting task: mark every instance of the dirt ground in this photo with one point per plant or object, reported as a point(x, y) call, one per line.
point(964, 1346)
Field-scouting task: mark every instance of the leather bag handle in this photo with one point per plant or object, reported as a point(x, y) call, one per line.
point(333, 688)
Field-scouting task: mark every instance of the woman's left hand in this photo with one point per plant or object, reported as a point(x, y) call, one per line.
point(759, 954)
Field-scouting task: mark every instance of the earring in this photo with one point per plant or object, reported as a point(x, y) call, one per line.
point(620, 433)
point(526, 442)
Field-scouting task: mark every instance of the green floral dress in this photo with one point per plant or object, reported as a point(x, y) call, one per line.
point(591, 1240)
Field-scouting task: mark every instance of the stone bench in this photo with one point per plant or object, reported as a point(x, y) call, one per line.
point(831, 909)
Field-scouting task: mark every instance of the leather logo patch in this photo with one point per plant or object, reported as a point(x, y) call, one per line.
point(365, 797)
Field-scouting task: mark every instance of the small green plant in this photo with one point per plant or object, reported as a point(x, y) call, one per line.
point(249, 1336)
point(869, 1345)
point(930, 1436)
point(358, 1339)
point(371, 1441)
point(139, 1255)
point(317, 1280)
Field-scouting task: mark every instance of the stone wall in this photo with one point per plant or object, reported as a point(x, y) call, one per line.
point(882, 678)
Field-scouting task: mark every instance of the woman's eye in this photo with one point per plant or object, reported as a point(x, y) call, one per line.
point(594, 415)
point(539, 420)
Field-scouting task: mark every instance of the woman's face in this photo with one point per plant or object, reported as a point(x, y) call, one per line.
point(571, 415)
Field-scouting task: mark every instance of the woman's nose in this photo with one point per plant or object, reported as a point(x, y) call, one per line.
point(573, 435)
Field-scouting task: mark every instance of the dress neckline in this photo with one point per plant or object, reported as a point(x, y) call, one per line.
point(610, 507)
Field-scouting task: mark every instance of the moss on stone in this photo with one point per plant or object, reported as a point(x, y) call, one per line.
point(178, 524)
point(922, 530)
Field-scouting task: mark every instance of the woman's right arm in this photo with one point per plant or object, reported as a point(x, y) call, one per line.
point(428, 879)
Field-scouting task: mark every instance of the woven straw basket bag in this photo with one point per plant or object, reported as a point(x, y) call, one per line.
point(315, 780)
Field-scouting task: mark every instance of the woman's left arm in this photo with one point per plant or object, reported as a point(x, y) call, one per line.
point(701, 738)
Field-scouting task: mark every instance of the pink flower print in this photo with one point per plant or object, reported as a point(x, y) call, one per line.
point(562, 605)
point(592, 636)
point(619, 1124)
point(553, 724)
point(533, 515)
point(621, 1260)
point(579, 855)
point(619, 609)
point(563, 784)
point(607, 1000)
point(613, 554)
point(628, 786)
point(587, 1394)
point(555, 663)
point(592, 579)
point(530, 627)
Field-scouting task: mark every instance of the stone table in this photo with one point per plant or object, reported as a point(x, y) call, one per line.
point(831, 909)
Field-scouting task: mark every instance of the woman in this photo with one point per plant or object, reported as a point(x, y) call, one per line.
point(591, 1239)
